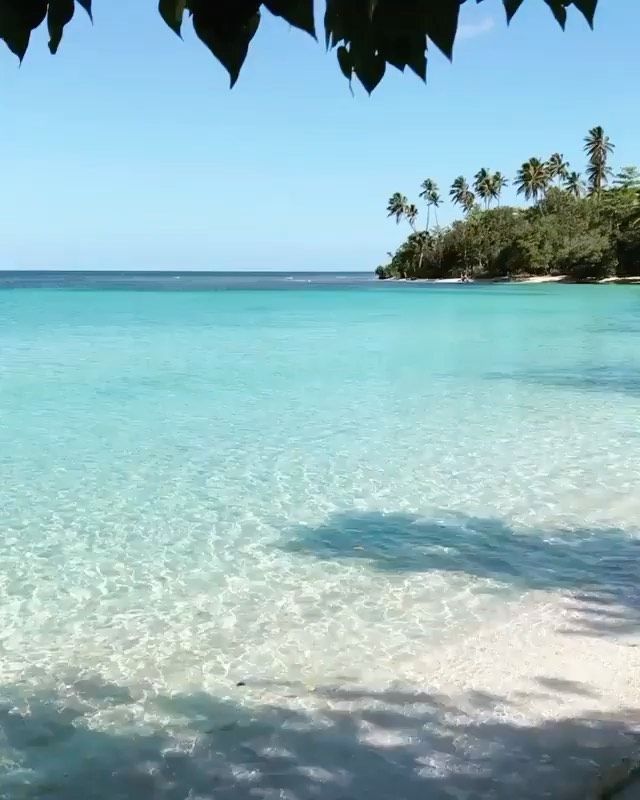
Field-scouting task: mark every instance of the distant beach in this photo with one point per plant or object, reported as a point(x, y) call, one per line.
point(632, 279)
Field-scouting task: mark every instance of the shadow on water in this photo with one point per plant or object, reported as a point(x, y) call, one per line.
point(620, 380)
point(93, 740)
point(399, 746)
point(599, 568)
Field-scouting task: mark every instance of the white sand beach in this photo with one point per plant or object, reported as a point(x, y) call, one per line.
point(543, 704)
point(626, 279)
point(543, 279)
point(533, 279)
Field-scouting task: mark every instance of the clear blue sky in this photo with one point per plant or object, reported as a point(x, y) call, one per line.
point(127, 150)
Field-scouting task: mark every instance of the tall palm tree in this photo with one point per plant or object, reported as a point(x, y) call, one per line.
point(532, 179)
point(497, 183)
point(574, 185)
point(411, 215)
point(598, 147)
point(396, 206)
point(431, 195)
point(461, 194)
point(436, 202)
point(635, 213)
point(399, 207)
point(482, 185)
point(557, 167)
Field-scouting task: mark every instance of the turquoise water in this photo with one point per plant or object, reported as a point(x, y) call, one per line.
point(284, 488)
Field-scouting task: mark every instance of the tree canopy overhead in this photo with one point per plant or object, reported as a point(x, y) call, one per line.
point(368, 35)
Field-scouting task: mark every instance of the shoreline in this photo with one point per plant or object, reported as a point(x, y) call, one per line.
point(530, 279)
point(560, 709)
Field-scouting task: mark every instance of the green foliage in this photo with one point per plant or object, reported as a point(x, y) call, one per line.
point(628, 178)
point(628, 251)
point(588, 256)
point(368, 35)
point(563, 233)
point(381, 272)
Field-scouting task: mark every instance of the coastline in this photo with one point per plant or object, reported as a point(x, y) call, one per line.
point(550, 719)
point(532, 279)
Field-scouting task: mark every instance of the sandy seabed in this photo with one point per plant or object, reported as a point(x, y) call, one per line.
point(543, 703)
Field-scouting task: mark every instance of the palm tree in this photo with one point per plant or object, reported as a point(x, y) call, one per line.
point(399, 207)
point(574, 185)
point(469, 203)
point(598, 147)
point(411, 215)
point(532, 179)
point(462, 195)
point(430, 194)
point(497, 183)
point(489, 185)
point(557, 167)
point(482, 185)
point(396, 206)
point(634, 221)
point(435, 201)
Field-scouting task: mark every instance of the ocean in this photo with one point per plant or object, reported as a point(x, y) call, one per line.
point(234, 506)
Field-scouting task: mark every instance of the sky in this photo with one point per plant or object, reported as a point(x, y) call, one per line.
point(127, 150)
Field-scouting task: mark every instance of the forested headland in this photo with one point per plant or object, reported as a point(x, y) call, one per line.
point(583, 226)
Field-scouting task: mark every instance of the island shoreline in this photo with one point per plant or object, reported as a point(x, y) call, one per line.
point(630, 280)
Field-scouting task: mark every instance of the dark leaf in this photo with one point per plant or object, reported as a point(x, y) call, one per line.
point(32, 12)
point(401, 38)
point(17, 19)
point(298, 13)
point(344, 60)
point(227, 28)
point(394, 52)
point(347, 20)
point(442, 24)
point(559, 11)
point(417, 59)
point(86, 4)
point(370, 67)
point(369, 33)
point(330, 20)
point(16, 37)
point(511, 6)
point(172, 12)
point(588, 9)
point(60, 14)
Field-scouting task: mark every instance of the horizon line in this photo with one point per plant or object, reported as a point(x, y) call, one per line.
point(162, 270)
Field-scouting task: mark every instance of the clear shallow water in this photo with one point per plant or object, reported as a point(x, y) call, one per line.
point(287, 489)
